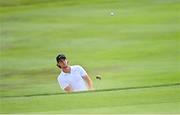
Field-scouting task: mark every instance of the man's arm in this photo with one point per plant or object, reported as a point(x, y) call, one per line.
point(88, 81)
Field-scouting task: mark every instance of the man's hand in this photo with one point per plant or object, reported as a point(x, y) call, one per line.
point(68, 89)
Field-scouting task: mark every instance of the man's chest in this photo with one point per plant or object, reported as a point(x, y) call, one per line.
point(74, 76)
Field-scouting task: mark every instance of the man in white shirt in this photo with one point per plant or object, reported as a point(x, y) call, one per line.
point(72, 78)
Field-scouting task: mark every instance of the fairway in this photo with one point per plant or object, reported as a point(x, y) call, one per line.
point(132, 44)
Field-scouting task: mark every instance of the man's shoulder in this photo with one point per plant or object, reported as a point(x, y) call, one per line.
point(76, 66)
point(60, 76)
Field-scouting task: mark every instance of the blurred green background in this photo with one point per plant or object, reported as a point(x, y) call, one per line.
point(137, 46)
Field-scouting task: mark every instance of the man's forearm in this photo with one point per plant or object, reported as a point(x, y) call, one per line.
point(89, 82)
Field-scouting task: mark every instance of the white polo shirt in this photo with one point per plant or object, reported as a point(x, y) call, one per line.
point(74, 79)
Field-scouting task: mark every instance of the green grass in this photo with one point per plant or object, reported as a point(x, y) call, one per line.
point(130, 101)
point(138, 46)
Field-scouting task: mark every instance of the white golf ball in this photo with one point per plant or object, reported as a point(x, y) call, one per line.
point(112, 13)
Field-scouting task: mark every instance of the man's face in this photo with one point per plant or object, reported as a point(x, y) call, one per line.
point(63, 63)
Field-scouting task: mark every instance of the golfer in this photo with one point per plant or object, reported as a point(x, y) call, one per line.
point(72, 78)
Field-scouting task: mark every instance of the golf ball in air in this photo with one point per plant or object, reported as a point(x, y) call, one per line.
point(112, 13)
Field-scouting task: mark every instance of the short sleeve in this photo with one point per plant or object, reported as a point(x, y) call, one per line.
point(63, 84)
point(82, 71)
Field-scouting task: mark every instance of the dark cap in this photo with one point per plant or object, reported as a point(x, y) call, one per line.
point(60, 56)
